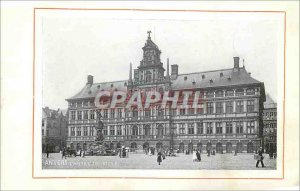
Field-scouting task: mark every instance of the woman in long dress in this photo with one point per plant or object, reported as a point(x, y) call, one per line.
point(194, 155)
point(159, 160)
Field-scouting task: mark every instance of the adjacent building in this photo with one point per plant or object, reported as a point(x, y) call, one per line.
point(230, 116)
point(54, 129)
point(270, 125)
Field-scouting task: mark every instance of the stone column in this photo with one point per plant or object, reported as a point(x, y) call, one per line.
point(256, 104)
point(204, 108)
point(186, 128)
point(255, 126)
point(195, 128)
point(245, 127)
point(82, 131)
point(108, 130)
point(224, 107)
point(224, 127)
point(214, 104)
point(116, 130)
point(177, 129)
point(69, 131)
point(214, 127)
point(204, 128)
point(245, 105)
point(89, 131)
point(234, 106)
point(234, 127)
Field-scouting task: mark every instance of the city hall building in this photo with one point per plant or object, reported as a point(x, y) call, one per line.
point(230, 116)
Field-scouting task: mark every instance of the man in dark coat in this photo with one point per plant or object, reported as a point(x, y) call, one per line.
point(159, 158)
point(261, 158)
point(198, 156)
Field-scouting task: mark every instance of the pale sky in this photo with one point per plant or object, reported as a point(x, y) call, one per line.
point(103, 45)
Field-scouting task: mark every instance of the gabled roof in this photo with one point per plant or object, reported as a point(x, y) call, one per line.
point(216, 78)
point(90, 91)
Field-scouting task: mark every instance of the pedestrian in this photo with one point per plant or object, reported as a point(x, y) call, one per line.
point(235, 152)
point(163, 155)
point(47, 151)
point(198, 156)
point(159, 157)
point(63, 153)
point(208, 152)
point(260, 158)
point(194, 156)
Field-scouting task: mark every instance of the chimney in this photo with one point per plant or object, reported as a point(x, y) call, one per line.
point(90, 79)
point(168, 67)
point(174, 71)
point(236, 61)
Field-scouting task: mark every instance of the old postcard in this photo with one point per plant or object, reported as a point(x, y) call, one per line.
point(159, 94)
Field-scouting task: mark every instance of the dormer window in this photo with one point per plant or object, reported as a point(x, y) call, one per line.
point(203, 76)
point(229, 78)
point(194, 82)
point(112, 85)
point(185, 78)
point(211, 81)
point(221, 74)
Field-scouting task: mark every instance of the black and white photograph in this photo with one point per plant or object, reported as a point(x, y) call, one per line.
point(167, 92)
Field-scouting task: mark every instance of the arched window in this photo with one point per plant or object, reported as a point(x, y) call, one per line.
point(219, 147)
point(147, 130)
point(160, 130)
point(134, 130)
point(148, 76)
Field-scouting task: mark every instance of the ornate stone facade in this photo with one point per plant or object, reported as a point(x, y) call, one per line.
point(230, 116)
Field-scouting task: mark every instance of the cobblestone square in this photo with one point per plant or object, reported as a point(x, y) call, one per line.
point(243, 161)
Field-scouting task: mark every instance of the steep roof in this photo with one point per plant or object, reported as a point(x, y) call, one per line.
point(215, 78)
point(90, 91)
point(269, 103)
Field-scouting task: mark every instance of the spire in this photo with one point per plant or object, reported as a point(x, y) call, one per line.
point(149, 37)
point(167, 67)
point(130, 72)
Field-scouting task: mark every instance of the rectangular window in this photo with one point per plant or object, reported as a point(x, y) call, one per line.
point(85, 114)
point(147, 113)
point(240, 106)
point(91, 131)
point(182, 111)
point(135, 113)
point(42, 132)
point(250, 127)
point(209, 128)
point(209, 94)
point(79, 115)
point(105, 113)
point(43, 123)
point(229, 107)
point(85, 131)
point(191, 111)
point(228, 127)
point(105, 131)
point(219, 94)
point(229, 93)
point(47, 132)
point(73, 115)
point(200, 109)
point(239, 127)
point(112, 130)
point(191, 128)
point(112, 113)
point(92, 114)
point(219, 128)
point(78, 131)
point(119, 130)
point(219, 107)
point(250, 91)
point(72, 131)
point(250, 106)
point(181, 129)
point(200, 128)
point(239, 92)
point(174, 112)
point(119, 113)
point(210, 107)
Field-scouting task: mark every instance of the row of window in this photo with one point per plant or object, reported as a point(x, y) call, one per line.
point(118, 113)
point(111, 130)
